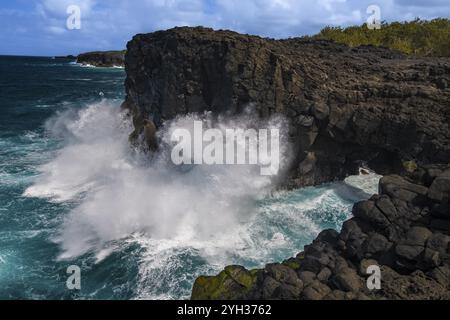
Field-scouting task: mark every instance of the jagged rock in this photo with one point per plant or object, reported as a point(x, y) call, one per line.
point(307, 277)
point(150, 135)
point(399, 188)
point(417, 236)
point(320, 110)
point(376, 243)
point(278, 282)
point(415, 263)
point(438, 242)
point(232, 283)
point(365, 264)
point(442, 276)
point(416, 286)
point(431, 258)
point(385, 205)
point(335, 295)
point(315, 291)
point(286, 292)
point(414, 244)
point(344, 104)
point(329, 236)
point(269, 286)
point(367, 211)
point(409, 252)
point(324, 274)
point(347, 280)
point(440, 188)
point(283, 274)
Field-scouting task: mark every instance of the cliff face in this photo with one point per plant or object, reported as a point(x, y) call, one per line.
point(344, 104)
point(103, 58)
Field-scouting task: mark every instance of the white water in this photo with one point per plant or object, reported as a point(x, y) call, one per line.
point(223, 214)
point(123, 194)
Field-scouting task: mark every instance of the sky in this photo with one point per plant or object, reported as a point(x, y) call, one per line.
point(39, 27)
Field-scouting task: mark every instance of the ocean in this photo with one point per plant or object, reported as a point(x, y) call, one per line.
point(73, 191)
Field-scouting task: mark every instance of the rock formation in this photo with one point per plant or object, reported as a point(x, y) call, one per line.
point(405, 231)
point(345, 106)
point(102, 58)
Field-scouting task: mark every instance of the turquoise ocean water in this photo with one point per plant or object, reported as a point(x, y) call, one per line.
point(73, 192)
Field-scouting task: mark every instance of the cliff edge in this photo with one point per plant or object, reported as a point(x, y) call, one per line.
point(345, 105)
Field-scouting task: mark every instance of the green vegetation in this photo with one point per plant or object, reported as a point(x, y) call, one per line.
point(420, 37)
point(410, 166)
point(232, 283)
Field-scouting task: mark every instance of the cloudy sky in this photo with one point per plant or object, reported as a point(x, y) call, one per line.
point(39, 27)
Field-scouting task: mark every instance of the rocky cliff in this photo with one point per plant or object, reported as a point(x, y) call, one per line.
point(102, 58)
point(345, 105)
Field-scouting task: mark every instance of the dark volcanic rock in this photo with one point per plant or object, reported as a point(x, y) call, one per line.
point(344, 104)
point(69, 57)
point(414, 263)
point(103, 58)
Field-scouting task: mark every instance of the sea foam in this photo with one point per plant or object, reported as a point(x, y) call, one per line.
point(188, 220)
point(121, 192)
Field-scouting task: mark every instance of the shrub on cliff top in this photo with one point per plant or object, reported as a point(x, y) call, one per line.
point(420, 37)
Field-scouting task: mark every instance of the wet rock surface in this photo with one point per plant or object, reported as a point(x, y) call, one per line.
point(345, 105)
point(400, 236)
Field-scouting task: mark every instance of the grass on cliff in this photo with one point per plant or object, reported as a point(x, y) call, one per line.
point(420, 37)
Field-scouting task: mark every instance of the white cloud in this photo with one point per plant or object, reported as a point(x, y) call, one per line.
point(56, 30)
point(58, 8)
point(109, 24)
point(276, 18)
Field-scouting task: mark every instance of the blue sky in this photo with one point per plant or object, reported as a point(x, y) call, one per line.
point(38, 27)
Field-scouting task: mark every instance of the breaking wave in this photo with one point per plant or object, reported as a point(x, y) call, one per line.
point(186, 221)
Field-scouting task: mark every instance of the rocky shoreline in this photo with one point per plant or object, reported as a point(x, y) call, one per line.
point(405, 231)
point(105, 59)
point(346, 106)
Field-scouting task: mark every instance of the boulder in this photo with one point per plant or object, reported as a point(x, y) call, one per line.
point(232, 283)
point(347, 280)
point(315, 291)
point(376, 243)
point(367, 211)
point(418, 236)
point(307, 277)
point(440, 188)
point(283, 274)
